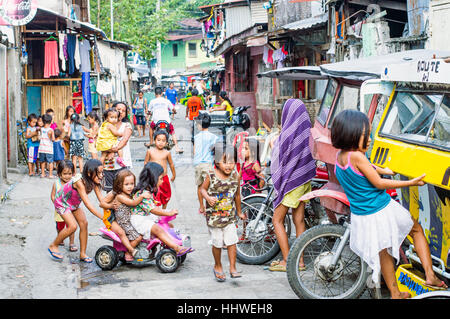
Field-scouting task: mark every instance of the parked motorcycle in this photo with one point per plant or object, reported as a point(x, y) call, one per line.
point(257, 241)
point(333, 270)
point(239, 122)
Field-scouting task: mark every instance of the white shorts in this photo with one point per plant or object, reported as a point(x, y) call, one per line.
point(226, 236)
point(143, 224)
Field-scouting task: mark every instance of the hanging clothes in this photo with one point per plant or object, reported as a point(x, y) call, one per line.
point(62, 57)
point(85, 56)
point(77, 56)
point(86, 91)
point(270, 56)
point(71, 44)
point(51, 66)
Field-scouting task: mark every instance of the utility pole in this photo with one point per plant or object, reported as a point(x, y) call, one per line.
point(98, 14)
point(112, 20)
point(158, 49)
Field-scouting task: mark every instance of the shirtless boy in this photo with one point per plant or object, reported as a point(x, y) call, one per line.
point(163, 157)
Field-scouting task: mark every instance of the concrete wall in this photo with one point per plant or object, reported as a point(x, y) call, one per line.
point(439, 25)
point(201, 59)
point(246, 98)
point(3, 97)
point(169, 61)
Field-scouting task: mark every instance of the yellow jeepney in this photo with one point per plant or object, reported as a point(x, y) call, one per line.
point(412, 137)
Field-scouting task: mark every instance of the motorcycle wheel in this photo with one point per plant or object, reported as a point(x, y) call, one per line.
point(232, 132)
point(258, 248)
point(167, 260)
point(106, 257)
point(348, 279)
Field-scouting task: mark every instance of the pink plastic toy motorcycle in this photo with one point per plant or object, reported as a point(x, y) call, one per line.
point(107, 257)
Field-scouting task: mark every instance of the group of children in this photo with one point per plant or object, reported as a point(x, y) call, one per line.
point(48, 145)
point(44, 144)
point(135, 207)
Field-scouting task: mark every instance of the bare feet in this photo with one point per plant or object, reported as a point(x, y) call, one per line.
point(401, 295)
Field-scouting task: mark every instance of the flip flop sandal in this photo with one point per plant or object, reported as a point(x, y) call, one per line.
point(235, 274)
point(185, 251)
point(73, 248)
point(278, 267)
point(86, 260)
point(54, 255)
point(220, 276)
point(275, 262)
point(441, 286)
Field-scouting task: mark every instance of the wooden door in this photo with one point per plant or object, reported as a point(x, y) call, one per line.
point(56, 97)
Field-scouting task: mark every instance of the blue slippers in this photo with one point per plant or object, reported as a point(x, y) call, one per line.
point(55, 255)
point(87, 260)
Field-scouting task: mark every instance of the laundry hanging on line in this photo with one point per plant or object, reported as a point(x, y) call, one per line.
point(51, 65)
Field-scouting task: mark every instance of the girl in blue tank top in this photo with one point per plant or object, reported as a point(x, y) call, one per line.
point(378, 224)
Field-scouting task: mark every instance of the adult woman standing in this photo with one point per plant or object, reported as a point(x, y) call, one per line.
point(140, 109)
point(292, 170)
point(111, 167)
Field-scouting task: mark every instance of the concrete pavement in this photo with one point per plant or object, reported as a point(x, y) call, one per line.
point(27, 270)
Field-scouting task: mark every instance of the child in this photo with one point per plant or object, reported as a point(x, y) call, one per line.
point(379, 224)
point(67, 204)
point(76, 148)
point(203, 154)
point(92, 133)
point(46, 146)
point(251, 169)
point(123, 185)
point(108, 137)
point(53, 125)
point(65, 171)
point(222, 193)
point(144, 216)
point(163, 157)
point(32, 136)
point(194, 105)
point(40, 122)
point(58, 148)
point(66, 126)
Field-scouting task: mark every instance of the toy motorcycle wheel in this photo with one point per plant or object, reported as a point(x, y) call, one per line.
point(106, 257)
point(167, 260)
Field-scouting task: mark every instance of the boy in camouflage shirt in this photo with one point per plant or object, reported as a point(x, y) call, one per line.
point(223, 200)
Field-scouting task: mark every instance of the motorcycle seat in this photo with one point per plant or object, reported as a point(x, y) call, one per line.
point(218, 116)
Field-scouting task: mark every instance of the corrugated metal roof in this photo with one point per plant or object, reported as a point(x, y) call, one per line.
point(307, 23)
point(183, 37)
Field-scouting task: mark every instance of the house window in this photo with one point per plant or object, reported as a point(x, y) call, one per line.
point(242, 67)
point(192, 47)
point(175, 49)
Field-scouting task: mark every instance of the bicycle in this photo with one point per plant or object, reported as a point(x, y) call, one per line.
point(22, 140)
point(257, 241)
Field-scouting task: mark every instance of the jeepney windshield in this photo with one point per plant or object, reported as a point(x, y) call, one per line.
point(422, 118)
point(348, 99)
point(327, 101)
